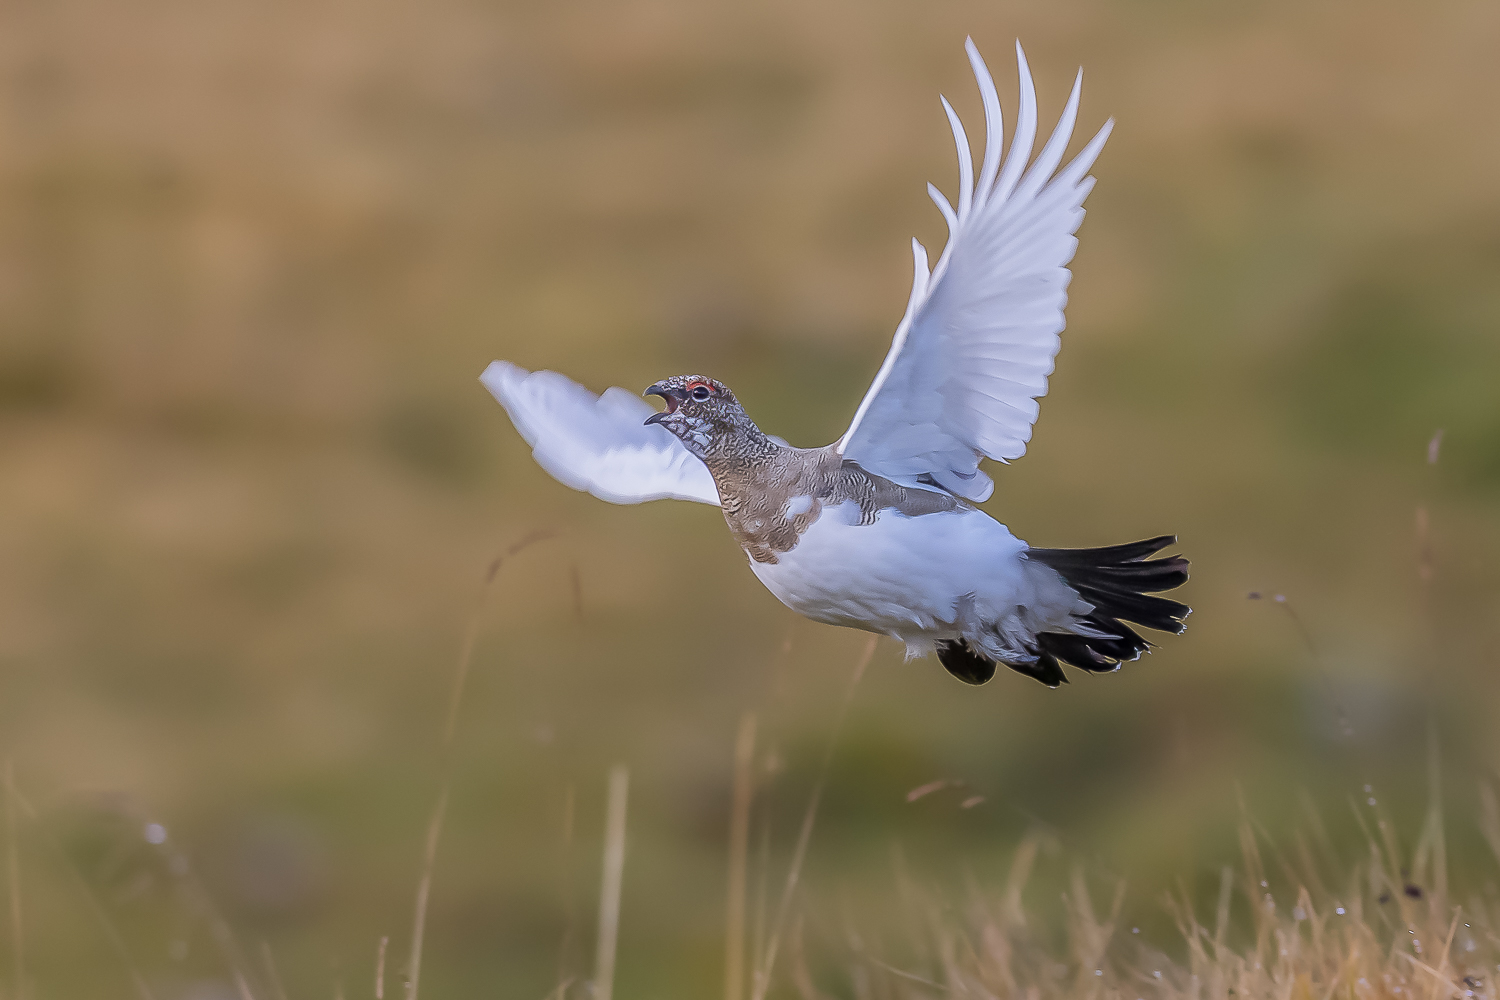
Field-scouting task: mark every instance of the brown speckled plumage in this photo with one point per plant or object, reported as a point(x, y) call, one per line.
point(761, 497)
point(770, 492)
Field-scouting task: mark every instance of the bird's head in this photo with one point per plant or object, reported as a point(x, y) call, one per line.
point(702, 412)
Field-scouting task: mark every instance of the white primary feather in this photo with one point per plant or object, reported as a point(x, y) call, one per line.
point(598, 444)
point(973, 352)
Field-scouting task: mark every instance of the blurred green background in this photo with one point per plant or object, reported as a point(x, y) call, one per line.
point(254, 255)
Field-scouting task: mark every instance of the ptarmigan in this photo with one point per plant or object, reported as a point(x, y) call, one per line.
point(879, 530)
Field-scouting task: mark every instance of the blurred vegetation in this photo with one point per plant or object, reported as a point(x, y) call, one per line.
point(253, 257)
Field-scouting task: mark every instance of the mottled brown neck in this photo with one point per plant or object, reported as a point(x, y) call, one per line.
point(762, 470)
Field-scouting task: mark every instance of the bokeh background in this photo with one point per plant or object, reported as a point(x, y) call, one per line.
point(254, 255)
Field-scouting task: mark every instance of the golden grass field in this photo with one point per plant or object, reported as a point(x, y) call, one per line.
point(253, 257)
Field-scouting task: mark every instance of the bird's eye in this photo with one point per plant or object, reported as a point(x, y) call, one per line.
point(701, 392)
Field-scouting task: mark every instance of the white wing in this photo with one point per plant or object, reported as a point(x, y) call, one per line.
point(598, 444)
point(976, 345)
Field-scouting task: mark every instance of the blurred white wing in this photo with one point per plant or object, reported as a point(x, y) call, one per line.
point(976, 345)
point(598, 444)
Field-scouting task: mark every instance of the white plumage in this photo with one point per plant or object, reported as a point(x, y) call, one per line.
point(973, 352)
point(598, 444)
point(922, 580)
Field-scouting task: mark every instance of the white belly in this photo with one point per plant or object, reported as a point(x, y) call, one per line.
point(920, 579)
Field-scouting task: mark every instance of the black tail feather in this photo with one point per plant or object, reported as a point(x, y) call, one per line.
point(1152, 575)
point(1045, 669)
point(1120, 581)
point(1144, 609)
point(1096, 655)
point(1108, 555)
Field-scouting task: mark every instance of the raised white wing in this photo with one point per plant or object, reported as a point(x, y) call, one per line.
point(598, 444)
point(976, 345)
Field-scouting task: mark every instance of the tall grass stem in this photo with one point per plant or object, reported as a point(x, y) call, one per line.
point(471, 633)
point(13, 877)
point(424, 890)
point(739, 850)
point(565, 858)
point(272, 974)
point(794, 873)
point(107, 926)
point(450, 729)
point(609, 889)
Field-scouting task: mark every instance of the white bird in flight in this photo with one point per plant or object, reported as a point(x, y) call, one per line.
point(880, 530)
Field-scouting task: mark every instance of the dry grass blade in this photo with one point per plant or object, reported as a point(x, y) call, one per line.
point(241, 985)
point(15, 800)
point(1489, 818)
point(424, 889)
point(380, 967)
point(739, 849)
point(1375, 937)
point(471, 633)
point(609, 889)
point(1015, 882)
point(13, 875)
point(564, 947)
point(794, 873)
point(450, 728)
point(763, 875)
point(272, 974)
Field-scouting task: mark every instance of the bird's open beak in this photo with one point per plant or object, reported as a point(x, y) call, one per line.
point(672, 397)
